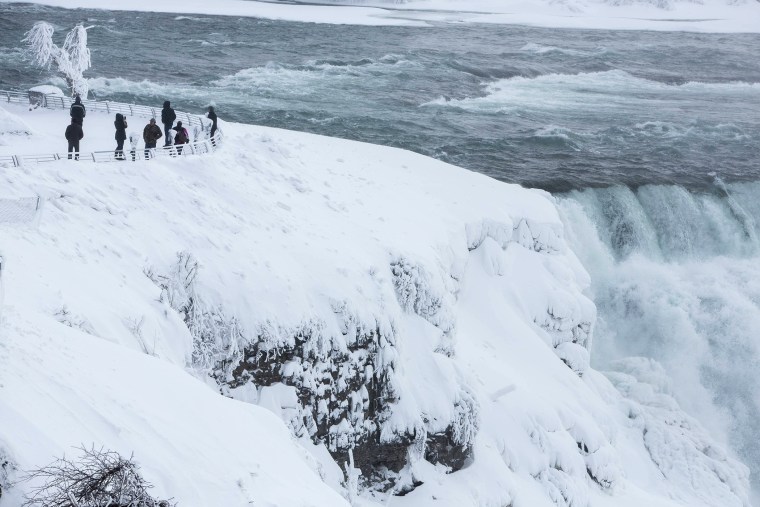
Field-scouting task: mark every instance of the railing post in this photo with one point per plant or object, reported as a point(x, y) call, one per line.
point(131, 113)
point(108, 109)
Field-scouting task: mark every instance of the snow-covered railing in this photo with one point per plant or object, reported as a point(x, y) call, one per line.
point(206, 145)
point(14, 97)
point(59, 102)
point(200, 147)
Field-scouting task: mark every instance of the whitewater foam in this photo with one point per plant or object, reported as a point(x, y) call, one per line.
point(676, 277)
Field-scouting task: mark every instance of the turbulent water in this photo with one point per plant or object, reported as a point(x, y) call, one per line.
point(557, 109)
point(652, 138)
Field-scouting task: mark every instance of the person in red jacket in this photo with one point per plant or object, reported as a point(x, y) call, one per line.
point(74, 134)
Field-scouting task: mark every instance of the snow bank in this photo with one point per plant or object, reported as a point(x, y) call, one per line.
point(428, 321)
point(12, 129)
point(671, 15)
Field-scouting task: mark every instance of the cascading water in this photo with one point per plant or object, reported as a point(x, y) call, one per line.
point(676, 278)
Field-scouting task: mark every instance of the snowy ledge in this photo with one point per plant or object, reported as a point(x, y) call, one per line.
point(345, 295)
point(711, 16)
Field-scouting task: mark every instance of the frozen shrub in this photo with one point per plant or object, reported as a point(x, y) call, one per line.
point(418, 293)
point(99, 478)
point(216, 337)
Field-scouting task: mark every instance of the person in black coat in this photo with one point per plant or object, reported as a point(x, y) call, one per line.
point(121, 135)
point(167, 118)
point(181, 137)
point(73, 135)
point(78, 111)
point(151, 135)
point(212, 116)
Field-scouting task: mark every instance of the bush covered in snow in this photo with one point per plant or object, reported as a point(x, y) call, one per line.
point(98, 478)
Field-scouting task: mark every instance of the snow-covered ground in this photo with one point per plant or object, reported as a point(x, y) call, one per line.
point(671, 15)
point(459, 289)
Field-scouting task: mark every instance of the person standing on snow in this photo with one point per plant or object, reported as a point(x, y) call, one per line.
point(167, 118)
point(77, 111)
point(74, 134)
point(212, 116)
point(181, 137)
point(121, 135)
point(151, 134)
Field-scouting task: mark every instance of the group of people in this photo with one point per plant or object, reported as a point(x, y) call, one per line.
point(175, 136)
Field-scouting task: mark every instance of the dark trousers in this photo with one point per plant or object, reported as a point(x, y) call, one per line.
point(119, 153)
point(167, 128)
point(178, 147)
point(213, 131)
point(74, 150)
point(148, 147)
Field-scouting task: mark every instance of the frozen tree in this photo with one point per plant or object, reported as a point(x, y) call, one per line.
point(100, 478)
point(71, 60)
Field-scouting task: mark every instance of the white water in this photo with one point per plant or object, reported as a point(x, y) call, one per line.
point(676, 277)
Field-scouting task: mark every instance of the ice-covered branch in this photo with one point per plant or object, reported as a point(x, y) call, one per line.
point(71, 60)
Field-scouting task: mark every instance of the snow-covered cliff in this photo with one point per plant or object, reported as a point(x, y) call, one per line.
point(248, 322)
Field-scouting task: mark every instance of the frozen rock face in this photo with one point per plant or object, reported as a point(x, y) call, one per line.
point(340, 381)
point(340, 390)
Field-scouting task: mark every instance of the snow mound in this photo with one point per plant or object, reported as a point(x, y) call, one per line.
point(12, 127)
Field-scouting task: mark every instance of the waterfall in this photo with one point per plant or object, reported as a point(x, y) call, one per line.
point(676, 277)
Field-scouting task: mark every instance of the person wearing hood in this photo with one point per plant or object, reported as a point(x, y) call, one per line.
point(212, 116)
point(167, 118)
point(121, 135)
point(77, 111)
point(73, 135)
point(181, 137)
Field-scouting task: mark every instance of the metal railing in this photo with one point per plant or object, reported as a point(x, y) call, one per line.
point(205, 145)
point(15, 97)
point(60, 102)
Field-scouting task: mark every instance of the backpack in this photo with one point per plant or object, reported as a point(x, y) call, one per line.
point(181, 136)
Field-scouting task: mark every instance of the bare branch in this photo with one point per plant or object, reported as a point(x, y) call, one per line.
point(99, 478)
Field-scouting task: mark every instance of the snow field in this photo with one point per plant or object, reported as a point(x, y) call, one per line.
point(715, 16)
point(459, 288)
